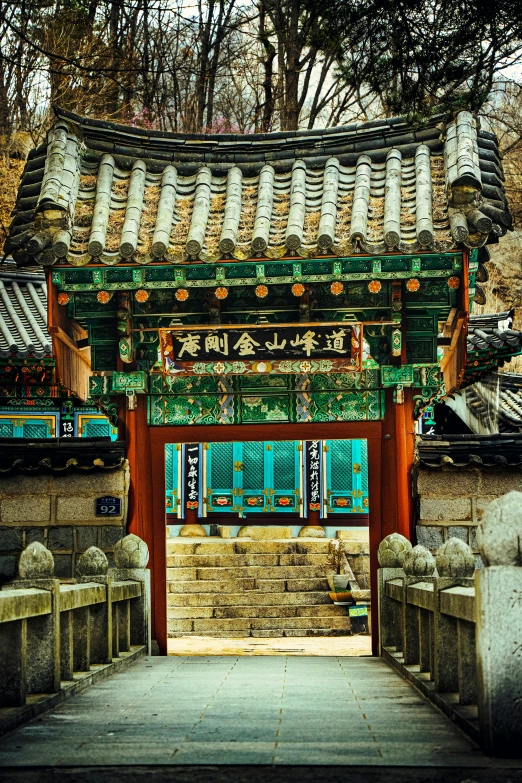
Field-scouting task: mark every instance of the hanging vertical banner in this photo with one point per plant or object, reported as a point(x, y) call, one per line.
point(192, 475)
point(313, 470)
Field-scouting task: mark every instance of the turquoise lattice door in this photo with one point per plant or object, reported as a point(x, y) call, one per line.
point(222, 471)
point(285, 486)
point(253, 477)
point(173, 479)
point(254, 469)
point(28, 426)
point(346, 472)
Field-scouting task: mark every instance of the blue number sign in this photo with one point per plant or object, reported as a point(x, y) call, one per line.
point(108, 506)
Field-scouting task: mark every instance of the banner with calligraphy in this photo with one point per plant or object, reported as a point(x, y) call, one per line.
point(299, 348)
point(192, 475)
point(313, 472)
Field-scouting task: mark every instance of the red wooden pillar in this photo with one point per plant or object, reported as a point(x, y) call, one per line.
point(397, 454)
point(378, 510)
point(146, 514)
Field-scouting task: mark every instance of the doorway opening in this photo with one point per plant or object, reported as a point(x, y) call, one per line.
point(268, 547)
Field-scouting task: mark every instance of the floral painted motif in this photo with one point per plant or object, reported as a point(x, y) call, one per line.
point(337, 288)
point(141, 295)
point(221, 292)
point(192, 503)
point(103, 297)
point(261, 291)
point(374, 286)
point(63, 298)
point(182, 294)
point(454, 282)
point(298, 289)
point(413, 285)
point(315, 506)
point(284, 501)
point(257, 500)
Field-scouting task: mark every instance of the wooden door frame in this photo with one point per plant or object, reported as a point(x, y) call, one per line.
point(146, 455)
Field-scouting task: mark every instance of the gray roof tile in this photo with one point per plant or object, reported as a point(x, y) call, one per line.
point(450, 160)
point(23, 315)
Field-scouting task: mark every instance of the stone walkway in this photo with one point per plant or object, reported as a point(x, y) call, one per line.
point(244, 710)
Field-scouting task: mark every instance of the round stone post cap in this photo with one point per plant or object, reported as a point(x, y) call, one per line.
point(455, 558)
point(499, 534)
point(131, 552)
point(93, 562)
point(36, 562)
point(393, 550)
point(419, 562)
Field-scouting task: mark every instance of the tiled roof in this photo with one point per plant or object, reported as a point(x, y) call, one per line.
point(59, 454)
point(493, 404)
point(493, 330)
point(467, 451)
point(102, 190)
point(23, 315)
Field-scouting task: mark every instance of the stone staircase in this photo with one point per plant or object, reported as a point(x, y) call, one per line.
point(241, 587)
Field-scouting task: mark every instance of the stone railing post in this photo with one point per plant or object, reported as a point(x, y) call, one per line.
point(455, 564)
point(94, 623)
point(499, 626)
point(419, 565)
point(392, 552)
point(37, 640)
point(131, 556)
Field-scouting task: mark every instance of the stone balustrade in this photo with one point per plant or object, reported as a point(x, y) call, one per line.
point(456, 632)
point(53, 632)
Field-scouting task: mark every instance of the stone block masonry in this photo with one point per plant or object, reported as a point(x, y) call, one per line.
point(238, 588)
point(59, 511)
point(450, 501)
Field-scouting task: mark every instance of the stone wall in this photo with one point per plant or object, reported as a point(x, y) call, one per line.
point(59, 511)
point(451, 501)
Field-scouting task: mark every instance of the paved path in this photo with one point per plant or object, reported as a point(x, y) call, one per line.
point(245, 710)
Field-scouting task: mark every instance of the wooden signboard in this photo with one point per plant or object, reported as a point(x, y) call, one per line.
point(261, 348)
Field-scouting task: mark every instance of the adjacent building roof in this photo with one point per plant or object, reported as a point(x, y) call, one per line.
point(491, 342)
point(492, 405)
point(493, 330)
point(59, 454)
point(467, 451)
point(101, 190)
point(23, 314)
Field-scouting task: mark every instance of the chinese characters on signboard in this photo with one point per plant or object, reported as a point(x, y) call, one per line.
point(181, 346)
point(314, 471)
point(192, 476)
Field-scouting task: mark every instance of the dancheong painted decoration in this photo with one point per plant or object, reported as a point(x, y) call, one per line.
point(312, 276)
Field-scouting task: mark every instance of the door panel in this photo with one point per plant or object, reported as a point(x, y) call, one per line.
point(346, 471)
point(254, 478)
point(221, 478)
point(173, 479)
point(286, 479)
point(339, 476)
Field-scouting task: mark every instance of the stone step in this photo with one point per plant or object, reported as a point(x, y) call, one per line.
point(245, 546)
point(229, 612)
point(248, 598)
point(208, 626)
point(175, 561)
point(273, 634)
point(260, 572)
point(192, 585)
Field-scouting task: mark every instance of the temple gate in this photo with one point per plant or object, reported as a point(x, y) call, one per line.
point(262, 290)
